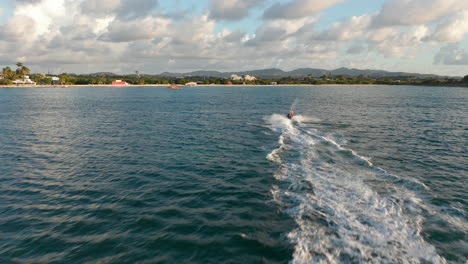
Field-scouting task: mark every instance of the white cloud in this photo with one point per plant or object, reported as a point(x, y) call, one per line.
point(381, 34)
point(46, 14)
point(416, 12)
point(275, 31)
point(103, 35)
point(124, 31)
point(356, 26)
point(453, 30)
point(231, 9)
point(99, 8)
point(451, 54)
point(298, 9)
point(123, 8)
point(18, 28)
point(401, 44)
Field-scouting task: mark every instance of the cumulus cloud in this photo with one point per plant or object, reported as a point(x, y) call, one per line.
point(136, 8)
point(401, 44)
point(145, 28)
point(18, 28)
point(98, 8)
point(275, 31)
point(298, 9)
point(128, 9)
point(231, 9)
point(232, 37)
point(77, 32)
point(453, 30)
point(451, 55)
point(416, 12)
point(124, 35)
point(356, 26)
point(356, 48)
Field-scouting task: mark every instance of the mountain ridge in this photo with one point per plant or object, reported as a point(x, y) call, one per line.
point(275, 73)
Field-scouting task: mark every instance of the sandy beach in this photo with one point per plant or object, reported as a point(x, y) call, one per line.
point(165, 85)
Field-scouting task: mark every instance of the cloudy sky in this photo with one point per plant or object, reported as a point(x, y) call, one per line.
point(152, 36)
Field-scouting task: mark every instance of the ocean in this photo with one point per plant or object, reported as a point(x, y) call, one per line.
point(361, 174)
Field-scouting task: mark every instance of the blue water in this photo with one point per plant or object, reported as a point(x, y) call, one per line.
point(219, 175)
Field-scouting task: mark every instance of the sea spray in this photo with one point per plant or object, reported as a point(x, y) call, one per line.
point(341, 218)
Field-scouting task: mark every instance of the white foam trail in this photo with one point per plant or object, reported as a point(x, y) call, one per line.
point(340, 218)
point(275, 154)
point(306, 119)
point(279, 123)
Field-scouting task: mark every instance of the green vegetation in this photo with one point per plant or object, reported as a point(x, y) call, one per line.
point(22, 70)
point(139, 79)
point(9, 75)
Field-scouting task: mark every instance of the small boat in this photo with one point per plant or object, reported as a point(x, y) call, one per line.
point(291, 114)
point(175, 86)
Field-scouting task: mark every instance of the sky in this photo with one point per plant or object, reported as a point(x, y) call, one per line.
point(154, 36)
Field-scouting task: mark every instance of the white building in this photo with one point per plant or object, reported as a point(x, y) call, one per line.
point(249, 78)
point(24, 81)
point(236, 77)
point(191, 84)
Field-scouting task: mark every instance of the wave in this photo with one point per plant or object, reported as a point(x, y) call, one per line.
point(332, 193)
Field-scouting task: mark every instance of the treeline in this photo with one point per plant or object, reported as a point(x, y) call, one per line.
point(8, 76)
point(147, 79)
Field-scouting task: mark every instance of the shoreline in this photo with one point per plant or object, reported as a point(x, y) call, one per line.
point(166, 85)
point(214, 85)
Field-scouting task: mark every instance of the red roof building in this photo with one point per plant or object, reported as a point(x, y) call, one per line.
point(119, 82)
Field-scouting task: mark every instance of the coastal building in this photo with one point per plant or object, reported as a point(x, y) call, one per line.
point(274, 83)
point(236, 77)
point(119, 82)
point(249, 78)
point(24, 81)
point(191, 84)
point(55, 79)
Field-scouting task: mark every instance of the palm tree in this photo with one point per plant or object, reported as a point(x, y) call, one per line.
point(22, 70)
point(20, 66)
point(26, 70)
point(8, 73)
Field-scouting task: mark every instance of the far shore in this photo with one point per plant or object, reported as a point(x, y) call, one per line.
point(237, 85)
point(166, 85)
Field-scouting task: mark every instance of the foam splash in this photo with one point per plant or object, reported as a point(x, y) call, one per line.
point(306, 119)
point(340, 218)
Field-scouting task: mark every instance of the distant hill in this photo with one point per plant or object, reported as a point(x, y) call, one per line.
point(274, 73)
point(101, 74)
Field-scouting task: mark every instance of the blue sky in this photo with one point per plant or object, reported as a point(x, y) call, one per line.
point(427, 36)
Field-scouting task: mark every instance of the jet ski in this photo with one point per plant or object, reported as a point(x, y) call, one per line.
point(291, 114)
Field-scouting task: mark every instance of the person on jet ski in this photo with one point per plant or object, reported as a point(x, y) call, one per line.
point(291, 114)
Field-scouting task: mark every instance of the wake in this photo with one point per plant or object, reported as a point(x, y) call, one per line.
point(330, 191)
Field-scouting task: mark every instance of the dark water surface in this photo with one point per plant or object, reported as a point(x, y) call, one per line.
point(219, 175)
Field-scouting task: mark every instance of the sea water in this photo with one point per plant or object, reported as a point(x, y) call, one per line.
point(219, 175)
